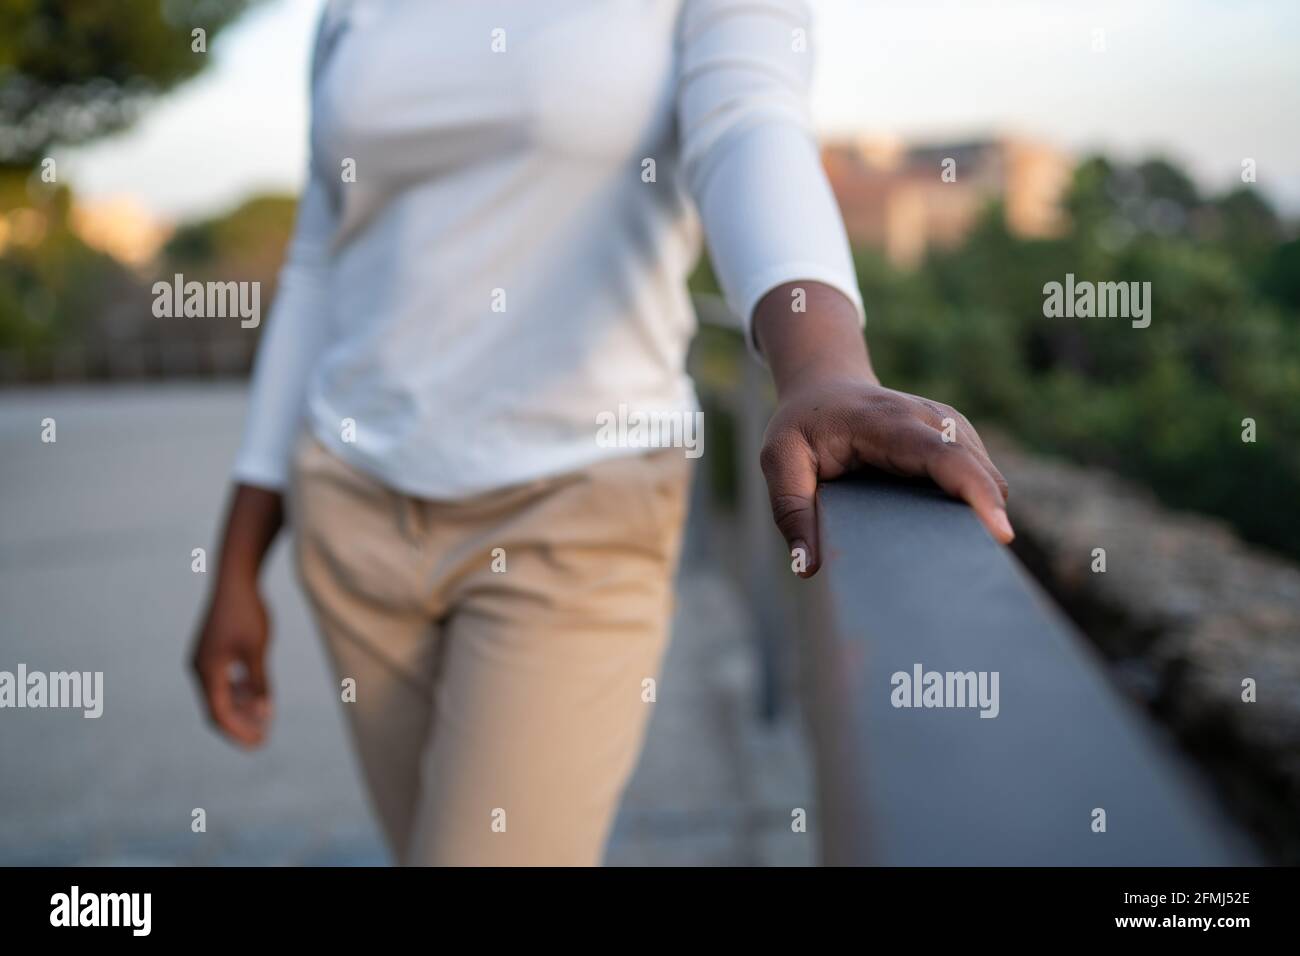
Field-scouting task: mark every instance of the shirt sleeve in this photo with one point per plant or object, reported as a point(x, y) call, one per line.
point(749, 157)
point(297, 333)
point(298, 327)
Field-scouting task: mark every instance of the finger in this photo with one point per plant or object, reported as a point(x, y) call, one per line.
point(930, 411)
point(790, 469)
point(949, 421)
point(217, 696)
point(258, 682)
point(970, 440)
point(962, 474)
point(1004, 489)
point(914, 448)
point(946, 418)
point(223, 710)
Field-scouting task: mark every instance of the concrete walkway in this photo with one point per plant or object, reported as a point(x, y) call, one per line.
point(96, 534)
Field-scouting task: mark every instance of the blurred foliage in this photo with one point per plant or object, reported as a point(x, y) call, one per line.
point(52, 285)
point(1164, 404)
point(247, 243)
point(72, 70)
point(59, 296)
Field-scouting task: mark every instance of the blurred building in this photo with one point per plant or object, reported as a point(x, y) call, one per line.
point(905, 200)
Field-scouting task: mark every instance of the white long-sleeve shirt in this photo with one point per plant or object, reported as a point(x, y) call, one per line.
point(492, 249)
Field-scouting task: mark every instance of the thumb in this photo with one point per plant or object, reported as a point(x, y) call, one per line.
point(791, 473)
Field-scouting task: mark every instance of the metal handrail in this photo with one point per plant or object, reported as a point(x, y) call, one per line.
point(911, 578)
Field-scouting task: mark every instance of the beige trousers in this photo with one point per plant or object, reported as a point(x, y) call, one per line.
point(500, 647)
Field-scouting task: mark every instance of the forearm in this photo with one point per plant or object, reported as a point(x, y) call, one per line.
point(297, 334)
point(824, 341)
point(254, 518)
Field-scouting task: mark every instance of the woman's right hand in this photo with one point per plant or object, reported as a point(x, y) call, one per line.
point(230, 662)
point(230, 649)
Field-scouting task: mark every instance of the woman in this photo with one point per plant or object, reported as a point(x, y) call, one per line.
point(490, 257)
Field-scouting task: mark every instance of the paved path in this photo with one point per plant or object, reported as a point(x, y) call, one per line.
point(96, 532)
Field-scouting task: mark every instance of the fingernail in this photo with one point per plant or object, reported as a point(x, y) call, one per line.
point(1003, 525)
point(800, 558)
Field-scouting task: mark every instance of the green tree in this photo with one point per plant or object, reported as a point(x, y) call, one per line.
point(73, 70)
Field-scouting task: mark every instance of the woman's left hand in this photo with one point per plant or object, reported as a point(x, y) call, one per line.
point(833, 416)
point(829, 428)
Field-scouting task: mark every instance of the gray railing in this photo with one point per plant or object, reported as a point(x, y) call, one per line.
point(911, 579)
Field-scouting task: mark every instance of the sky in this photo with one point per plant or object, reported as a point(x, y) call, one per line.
point(1205, 82)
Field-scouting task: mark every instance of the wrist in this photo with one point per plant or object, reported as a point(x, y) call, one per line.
point(820, 343)
point(237, 574)
point(252, 523)
point(822, 370)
